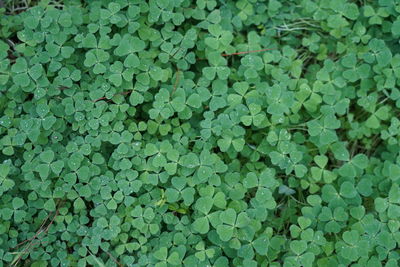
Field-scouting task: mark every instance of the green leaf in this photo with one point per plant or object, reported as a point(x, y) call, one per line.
point(381, 204)
point(17, 203)
point(174, 258)
point(200, 133)
point(250, 180)
point(321, 160)
point(396, 27)
point(50, 205)
point(298, 246)
point(340, 152)
point(201, 225)
point(204, 204)
point(360, 160)
point(190, 160)
point(161, 254)
point(57, 166)
point(135, 98)
point(261, 245)
point(394, 194)
point(20, 66)
point(225, 232)
point(228, 216)
point(43, 170)
point(98, 262)
point(194, 100)
point(79, 204)
point(242, 220)
point(47, 156)
point(351, 237)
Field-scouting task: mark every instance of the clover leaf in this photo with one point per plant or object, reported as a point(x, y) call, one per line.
point(199, 133)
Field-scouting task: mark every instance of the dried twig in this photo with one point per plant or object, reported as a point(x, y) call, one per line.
point(105, 98)
point(11, 43)
point(247, 52)
point(101, 98)
point(243, 52)
point(179, 49)
point(111, 256)
point(37, 233)
point(41, 230)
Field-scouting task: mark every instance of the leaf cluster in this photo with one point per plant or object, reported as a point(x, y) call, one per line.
point(200, 133)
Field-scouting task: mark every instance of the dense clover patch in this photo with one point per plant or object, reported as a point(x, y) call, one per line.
point(200, 133)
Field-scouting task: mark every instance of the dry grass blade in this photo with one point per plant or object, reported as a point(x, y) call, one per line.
point(176, 52)
point(114, 259)
point(176, 81)
point(42, 230)
point(37, 233)
point(247, 52)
